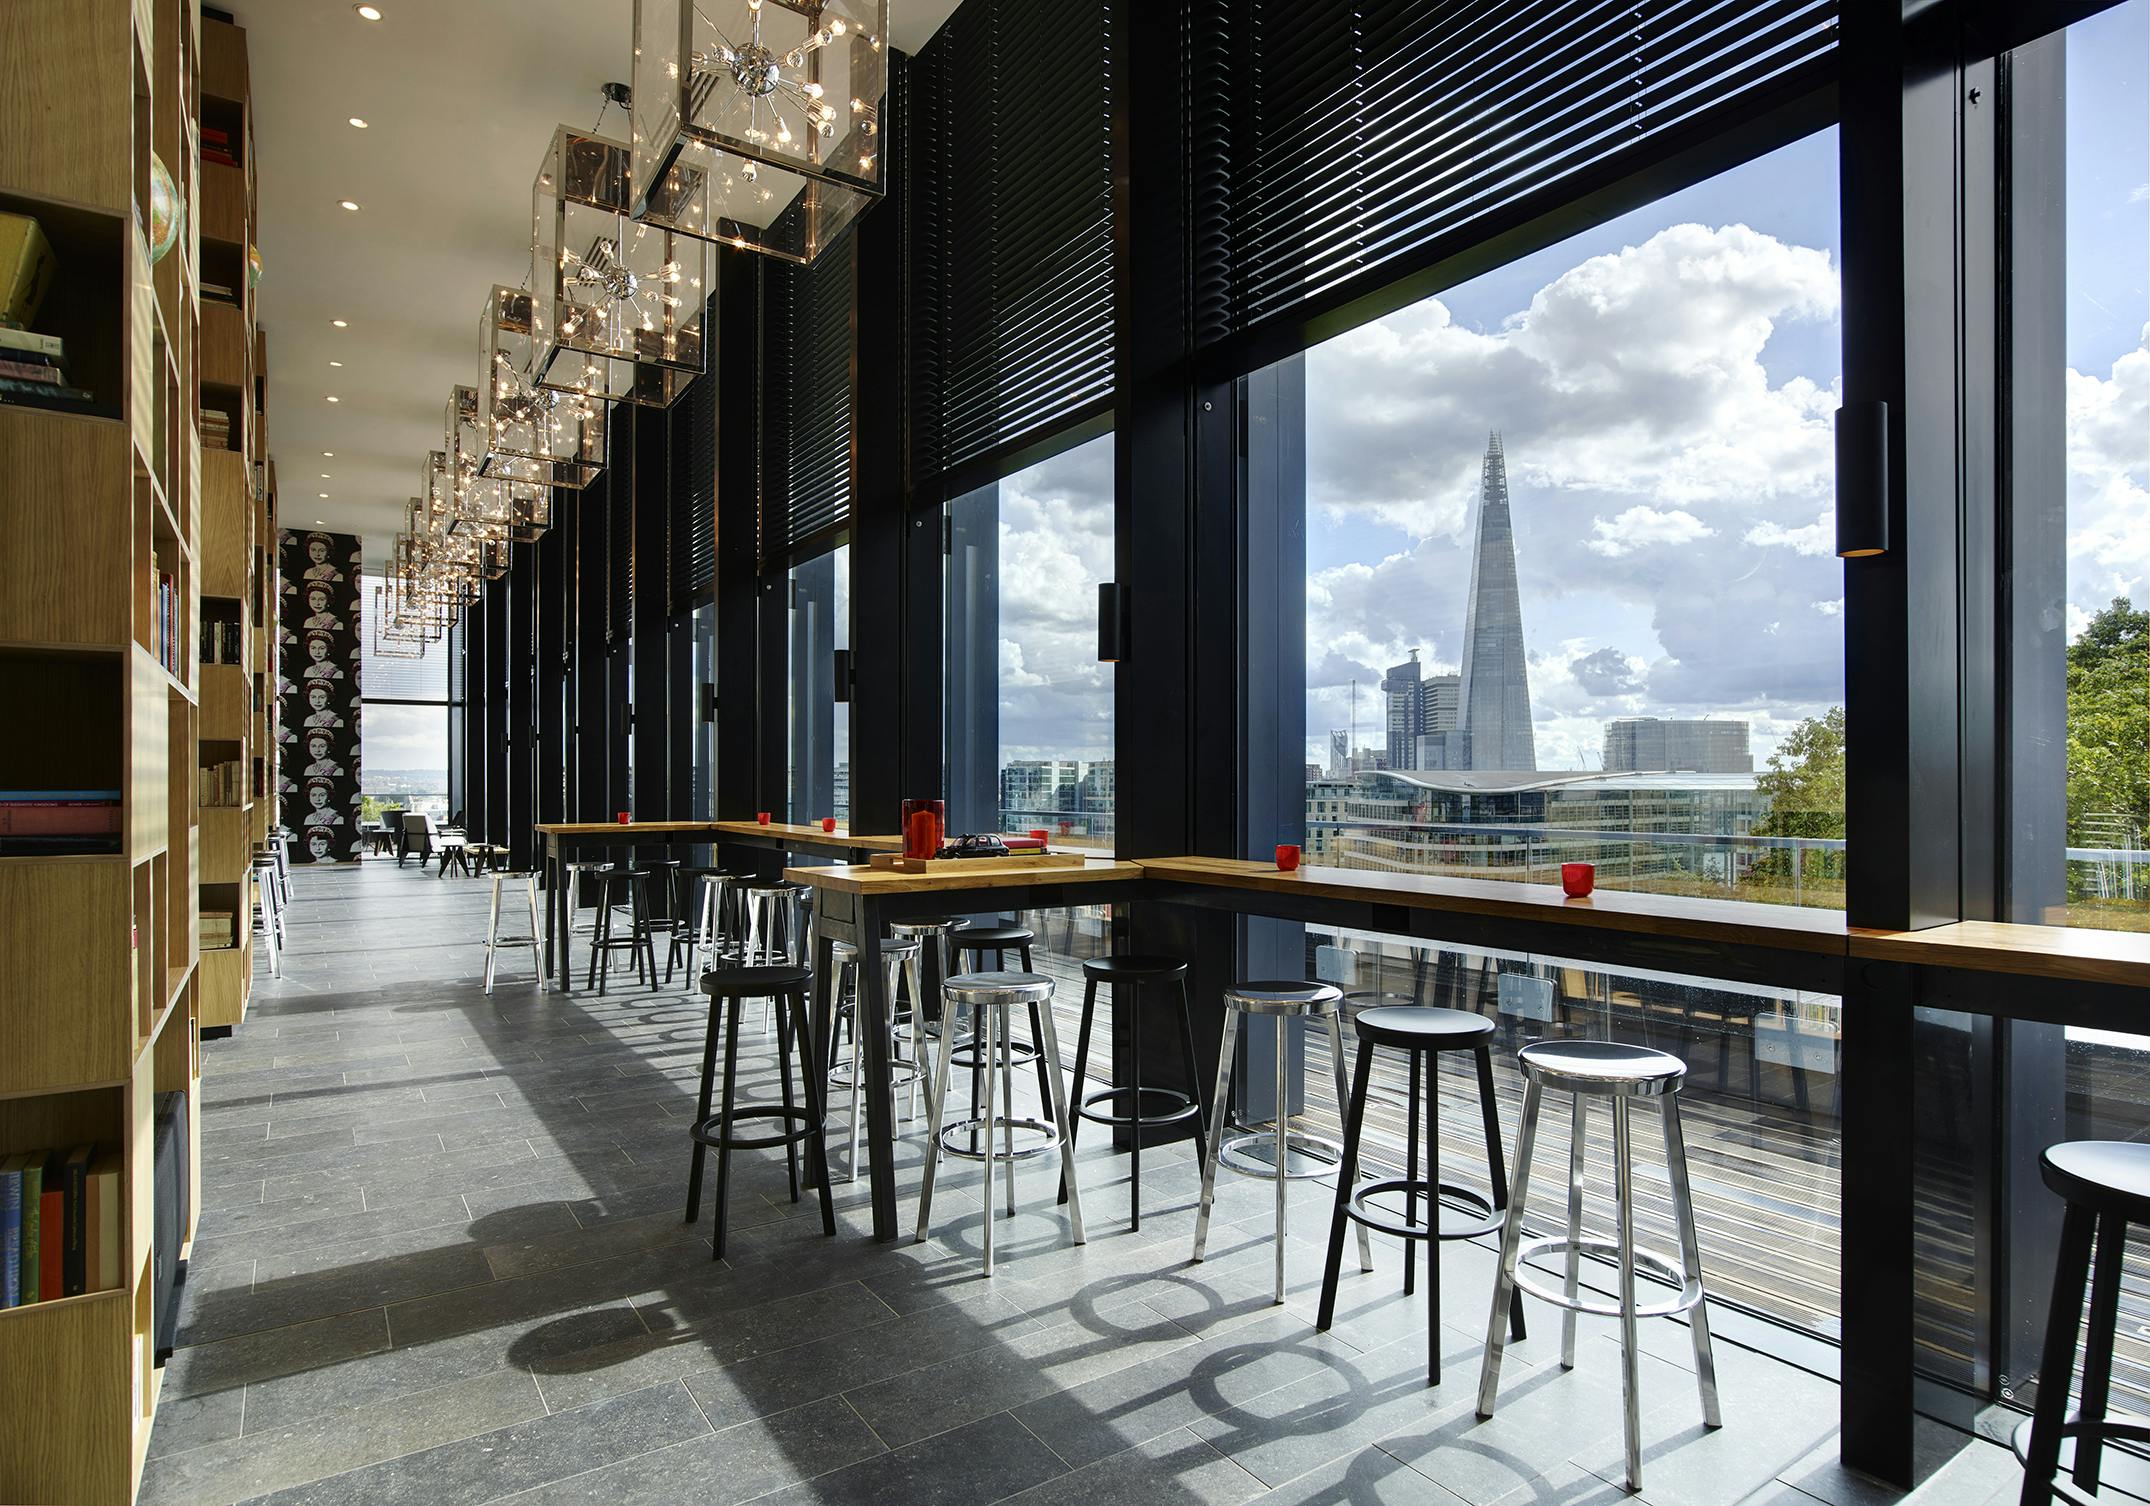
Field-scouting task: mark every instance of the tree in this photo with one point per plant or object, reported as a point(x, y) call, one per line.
point(2109, 718)
point(1805, 786)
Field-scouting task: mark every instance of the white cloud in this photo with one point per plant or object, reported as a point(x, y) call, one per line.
point(2109, 482)
point(1830, 608)
point(1812, 539)
point(1644, 527)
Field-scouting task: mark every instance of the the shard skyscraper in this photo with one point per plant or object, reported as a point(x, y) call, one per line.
point(1495, 695)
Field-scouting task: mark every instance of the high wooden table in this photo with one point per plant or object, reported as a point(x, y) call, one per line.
point(563, 841)
point(855, 905)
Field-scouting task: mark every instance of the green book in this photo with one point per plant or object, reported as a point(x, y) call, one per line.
point(33, 1189)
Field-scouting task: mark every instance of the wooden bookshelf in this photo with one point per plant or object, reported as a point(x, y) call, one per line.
point(232, 456)
point(101, 571)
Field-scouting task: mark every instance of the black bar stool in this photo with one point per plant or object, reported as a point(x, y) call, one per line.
point(2106, 1185)
point(628, 888)
point(1133, 973)
point(1425, 1033)
point(786, 988)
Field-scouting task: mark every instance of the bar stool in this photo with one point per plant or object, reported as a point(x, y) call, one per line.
point(976, 944)
point(2106, 1186)
point(494, 941)
point(936, 964)
point(622, 888)
point(1425, 1033)
point(1283, 1003)
point(786, 988)
point(1133, 972)
point(1622, 1073)
point(271, 913)
point(689, 885)
point(989, 997)
point(771, 933)
point(280, 844)
point(899, 960)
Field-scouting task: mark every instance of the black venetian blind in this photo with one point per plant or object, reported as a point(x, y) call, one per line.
point(619, 487)
point(1368, 134)
point(692, 493)
point(1011, 235)
point(811, 307)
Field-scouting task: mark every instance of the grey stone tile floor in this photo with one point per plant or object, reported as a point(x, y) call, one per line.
point(441, 1259)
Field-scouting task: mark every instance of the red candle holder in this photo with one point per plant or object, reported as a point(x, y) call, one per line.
point(1287, 857)
point(923, 827)
point(762, 817)
point(828, 823)
point(623, 818)
point(1577, 879)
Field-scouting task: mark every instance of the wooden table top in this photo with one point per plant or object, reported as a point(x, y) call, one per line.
point(795, 835)
point(860, 879)
point(2077, 954)
point(599, 828)
point(1732, 921)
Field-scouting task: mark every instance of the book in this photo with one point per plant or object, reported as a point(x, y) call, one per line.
point(47, 395)
point(74, 1168)
point(33, 1199)
point(11, 1231)
point(51, 1232)
point(32, 371)
point(30, 340)
point(26, 267)
point(102, 1220)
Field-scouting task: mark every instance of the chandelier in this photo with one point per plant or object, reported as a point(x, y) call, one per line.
point(531, 435)
point(616, 306)
point(757, 122)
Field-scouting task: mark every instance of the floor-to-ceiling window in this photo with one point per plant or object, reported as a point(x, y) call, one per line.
point(1572, 596)
point(818, 712)
point(403, 728)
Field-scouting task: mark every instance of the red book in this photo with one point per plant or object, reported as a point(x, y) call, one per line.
point(58, 820)
point(51, 1235)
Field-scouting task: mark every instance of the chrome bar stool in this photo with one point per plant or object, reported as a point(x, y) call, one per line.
point(1622, 1073)
point(1426, 1034)
point(986, 950)
point(1145, 1107)
point(693, 925)
point(772, 932)
point(1283, 1003)
point(899, 960)
point(989, 997)
point(936, 964)
point(494, 941)
point(578, 876)
point(271, 913)
point(2106, 1186)
point(786, 988)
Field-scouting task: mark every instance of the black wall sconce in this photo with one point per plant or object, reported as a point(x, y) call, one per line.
point(843, 675)
point(1111, 622)
point(1862, 480)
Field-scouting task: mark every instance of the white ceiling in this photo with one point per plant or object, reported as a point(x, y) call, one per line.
point(460, 99)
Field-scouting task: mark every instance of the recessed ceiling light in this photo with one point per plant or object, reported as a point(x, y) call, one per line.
point(324, 475)
point(350, 204)
point(318, 523)
point(322, 495)
point(358, 122)
point(341, 323)
point(334, 399)
point(368, 12)
point(328, 454)
point(335, 363)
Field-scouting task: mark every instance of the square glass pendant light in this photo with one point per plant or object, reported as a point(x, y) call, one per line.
point(533, 435)
point(757, 122)
point(616, 305)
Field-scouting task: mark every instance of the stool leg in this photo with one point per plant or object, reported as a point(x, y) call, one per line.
point(600, 933)
point(2071, 1267)
point(1082, 1064)
point(1489, 1374)
point(644, 936)
point(814, 1077)
point(1683, 1205)
point(1063, 1120)
point(1343, 1090)
point(537, 943)
point(1347, 1171)
point(986, 1018)
point(1578, 1130)
point(2098, 1346)
point(1194, 1074)
point(1410, 1171)
point(936, 1105)
point(1433, 1220)
point(492, 937)
point(701, 1113)
point(1630, 1355)
point(1134, 1150)
point(783, 1073)
point(914, 982)
point(1217, 1102)
point(1283, 1141)
point(1007, 1096)
point(724, 1131)
point(1489, 1106)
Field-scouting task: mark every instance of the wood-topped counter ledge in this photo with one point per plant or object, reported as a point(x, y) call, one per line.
point(2077, 954)
point(807, 836)
point(862, 879)
point(1733, 922)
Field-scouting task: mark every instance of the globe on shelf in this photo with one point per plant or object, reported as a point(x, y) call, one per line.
point(253, 265)
point(164, 212)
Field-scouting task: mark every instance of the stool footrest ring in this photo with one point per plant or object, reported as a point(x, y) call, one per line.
point(1046, 1143)
point(1240, 1153)
point(1484, 1217)
point(1533, 1279)
point(2122, 1472)
point(966, 1055)
point(710, 1131)
point(1178, 1106)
